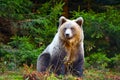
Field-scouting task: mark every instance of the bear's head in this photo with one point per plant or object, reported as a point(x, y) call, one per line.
point(70, 29)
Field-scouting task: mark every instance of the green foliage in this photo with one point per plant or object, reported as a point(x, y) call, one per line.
point(97, 60)
point(52, 77)
point(15, 9)
point(115, 62)
point(101, 35)
point(22, 43)
point(11, 76)
point(93, 74)
point(25, 50)
point(101, 31)
point(20, 51)
point(7, 58)
point(2, 66)
point(35, 30)
point(43, 28)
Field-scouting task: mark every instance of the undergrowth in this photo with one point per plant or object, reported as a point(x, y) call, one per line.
point(28, 73)
point(89, 74)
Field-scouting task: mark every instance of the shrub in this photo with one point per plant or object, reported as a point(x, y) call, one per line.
point(20, 51)
point(101, 31)
point(34, 30)
point(97, 60)
point(12, 9)
point(25, 51)
point(115, 62)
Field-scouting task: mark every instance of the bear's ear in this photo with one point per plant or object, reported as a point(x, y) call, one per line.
point(62, 20)
point(79, 21)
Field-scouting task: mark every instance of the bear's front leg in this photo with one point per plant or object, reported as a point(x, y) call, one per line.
point(78, 68)
point(43, 62)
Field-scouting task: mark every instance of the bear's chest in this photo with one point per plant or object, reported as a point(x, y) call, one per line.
point(58, 56)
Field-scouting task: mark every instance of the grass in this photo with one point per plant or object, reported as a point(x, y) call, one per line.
point(11, 75)
point(89, 74)
point(93, 74)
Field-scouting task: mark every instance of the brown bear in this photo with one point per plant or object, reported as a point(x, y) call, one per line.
point(65, 54)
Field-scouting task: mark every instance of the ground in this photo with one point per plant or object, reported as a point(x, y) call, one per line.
point(89, 74)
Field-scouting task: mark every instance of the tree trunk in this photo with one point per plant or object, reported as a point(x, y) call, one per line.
point(65, 9)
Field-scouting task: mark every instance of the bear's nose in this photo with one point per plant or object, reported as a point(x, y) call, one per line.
point(67, 35)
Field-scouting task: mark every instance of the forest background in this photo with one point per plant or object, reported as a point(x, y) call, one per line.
point(28, 26)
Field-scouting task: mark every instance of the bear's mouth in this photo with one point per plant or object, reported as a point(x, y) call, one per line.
point(68, 37)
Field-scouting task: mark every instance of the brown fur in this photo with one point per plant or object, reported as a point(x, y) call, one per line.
point(71, 45)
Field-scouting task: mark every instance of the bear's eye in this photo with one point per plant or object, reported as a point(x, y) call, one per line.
point(72, 29)
point(65, 29)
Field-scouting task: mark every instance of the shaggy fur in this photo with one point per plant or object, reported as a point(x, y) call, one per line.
point(64, 52)
point(71, 45)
